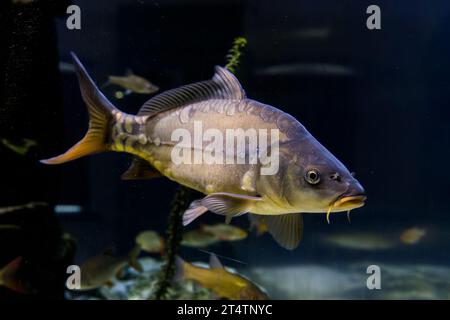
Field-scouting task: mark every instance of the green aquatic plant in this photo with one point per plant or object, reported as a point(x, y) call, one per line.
point(183, 198)
point(180, 202)
point(235, 53)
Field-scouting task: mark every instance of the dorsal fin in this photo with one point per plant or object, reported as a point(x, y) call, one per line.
point(214, 262)
point(223, 85)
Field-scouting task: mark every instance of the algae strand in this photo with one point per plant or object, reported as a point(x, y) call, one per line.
point(182, 199)
point(235, 53)
point(180, 202)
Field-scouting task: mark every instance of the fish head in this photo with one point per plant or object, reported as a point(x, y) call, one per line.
point(146, 86)
point(319, 182)
point(235, 234)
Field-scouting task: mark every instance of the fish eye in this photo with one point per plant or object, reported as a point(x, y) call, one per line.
point(312, 176)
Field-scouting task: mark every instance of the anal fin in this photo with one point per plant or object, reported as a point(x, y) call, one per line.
point(140, 169)
point(286, 229)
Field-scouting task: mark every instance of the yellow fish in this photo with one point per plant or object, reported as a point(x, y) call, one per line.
point(198, 239)
point(150, 241)
point(361, 241)
point(412, 235)
point(225, 232)
point(220, 281)
point(102, 269)
point(133, 83)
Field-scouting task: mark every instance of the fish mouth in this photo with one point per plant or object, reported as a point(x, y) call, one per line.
point(346, 202)
point(350, 201)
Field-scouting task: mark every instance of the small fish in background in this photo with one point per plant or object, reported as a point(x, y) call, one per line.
point(208, 235)
point(225, 232)
point(104, 268)
point(369, 241)
point(260, 225)
point(21, 2)
point(9, 278)
point(413, 235)
point(309, 69)
point(221, 282)
point(150, 241)
point(360, 241)
point(132, 84)
point(66, 67)
point(198, 239)
point(9, 227)
point(27, 206)
point(21, 149)
point(68, 246)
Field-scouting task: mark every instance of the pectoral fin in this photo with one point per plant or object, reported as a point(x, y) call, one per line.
point(139, 170)
point(286, 229)
point(223, 203)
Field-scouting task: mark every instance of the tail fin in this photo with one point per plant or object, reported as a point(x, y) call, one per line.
point(8, 276)
point(100, 116)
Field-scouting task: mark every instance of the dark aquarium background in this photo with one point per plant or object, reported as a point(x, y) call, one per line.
point(377, 99)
